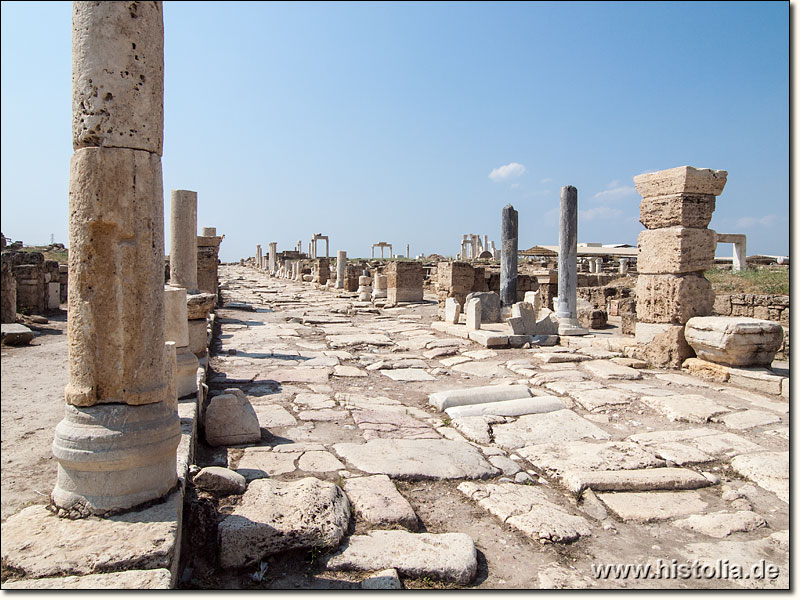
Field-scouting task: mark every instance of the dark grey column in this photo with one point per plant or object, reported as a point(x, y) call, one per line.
point(508, 256)
point(568, 254)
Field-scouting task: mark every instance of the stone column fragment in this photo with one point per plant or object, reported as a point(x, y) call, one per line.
point(508, 256)
point(183, 240)
point(341, 266)
point(567, 312)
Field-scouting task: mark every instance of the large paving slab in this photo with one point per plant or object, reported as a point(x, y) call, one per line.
point(765, 553)
point(748, 419)
point(482, 369)
point(478, 395)
point(557, 459)
point(605, 369)
point(408, 375)
point(417, 459)
point(697, 445)
point(559, 426)
point(153, 579)
point(299, 374)
point(600, 398)
point(527, 509)
point(634, 480)
point(278, 516)
point(375, 499)
point(722, 524)
point(40, 544)
point(770, 470)
point(358, 339)
point(652, 506)
point(690, 408)
point(445, 556)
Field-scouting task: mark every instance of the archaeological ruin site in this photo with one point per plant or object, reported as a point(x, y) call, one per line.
point(503, 418)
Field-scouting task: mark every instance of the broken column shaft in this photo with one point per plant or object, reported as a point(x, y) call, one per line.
point(567, 312)
point(183, 240)
point(508, 256)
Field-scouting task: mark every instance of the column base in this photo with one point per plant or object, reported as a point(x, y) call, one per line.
point(567, 326)
point(113, 457)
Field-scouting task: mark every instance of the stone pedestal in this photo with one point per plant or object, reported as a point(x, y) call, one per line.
point(364, 288)
point(176, 329)
point(116, 446)
point(404, 281)
point(674, 251)
point(508, 256)
point(208, 261)
point(341, 267)
point(567, 312)
point(379, 288)
point(183, 240)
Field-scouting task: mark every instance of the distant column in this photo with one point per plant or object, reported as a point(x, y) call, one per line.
point(341, 269)
point(508, 256)
point(408, 251)
point(273, 254)
point(567, 312)
point(183, 240)
point(258, 256)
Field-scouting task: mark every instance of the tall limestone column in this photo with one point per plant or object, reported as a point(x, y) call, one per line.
point(508, 256)
point(183, 240)
point(567, 312)
point(116, 445)
point(259, 262)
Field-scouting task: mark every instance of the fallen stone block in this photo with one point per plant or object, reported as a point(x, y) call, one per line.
point(14, 334)
point(490, 339)
point(278, 516)
point(220, 480)
point(478, 395)
point(230, 420)
point(444, 556)
point(734, 341)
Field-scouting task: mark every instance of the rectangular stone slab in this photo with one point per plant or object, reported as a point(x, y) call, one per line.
point(673, 298)
point(684, 210)
point(645, 507)
point(417, 459)
point(556, 459)
point(377, 501)
point(444, 556)
point(637, 480)
point(681, 180)
point(559, 426)
point(690, 408)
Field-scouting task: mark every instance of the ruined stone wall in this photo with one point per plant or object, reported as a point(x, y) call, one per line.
point(351, 276)
point(404, 281)
point(29, 272)
point(455, 280)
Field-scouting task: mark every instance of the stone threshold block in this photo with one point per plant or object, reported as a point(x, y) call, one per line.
point(639, 480)
point(734, 341)
point(478, 395)
point(676, 250)
point(444, 556)
point(681, 180)
point(677, 210)
point(673, 298)
point(40, 544)
point(376, 500)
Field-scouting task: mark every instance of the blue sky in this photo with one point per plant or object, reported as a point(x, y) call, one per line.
point(414, 123)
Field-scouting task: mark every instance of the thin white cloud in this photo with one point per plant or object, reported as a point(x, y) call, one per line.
point(600, 212)
point(507, 171)
point(614, 191)
point(766, 221)
point(545, 180)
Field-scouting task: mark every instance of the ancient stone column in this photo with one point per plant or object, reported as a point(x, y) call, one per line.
point(567, 312)
point(183, 240)
point(408, 251)
point(273, 256)
point(259, 260)
point(8, 314)
point(674, 251)
point(208, 260)
point(341, 267)
point(116, 445)
point(508, 256)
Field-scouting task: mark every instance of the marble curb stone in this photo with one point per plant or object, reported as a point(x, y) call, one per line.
point(444, 556)
point(278, 516)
